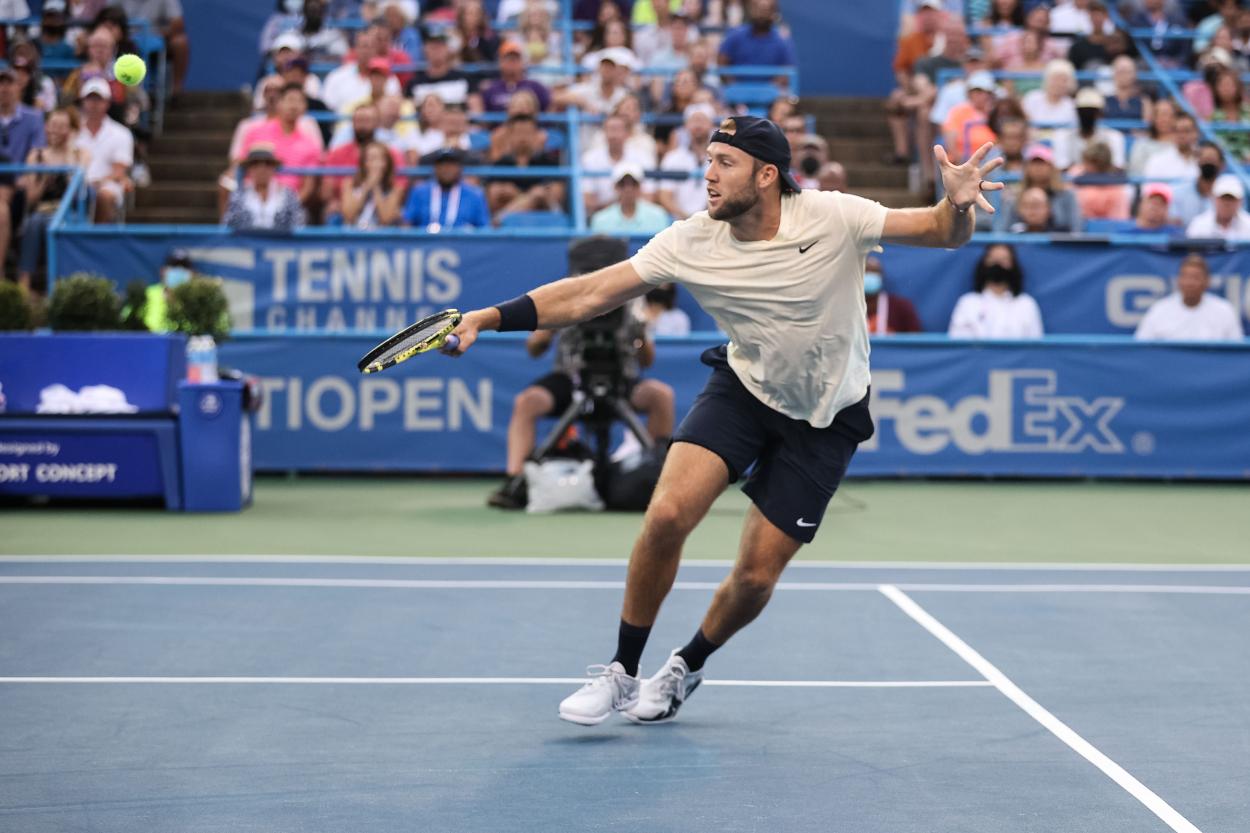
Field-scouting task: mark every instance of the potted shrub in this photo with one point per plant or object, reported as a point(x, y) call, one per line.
point(84, 302)
point(199, 308)
point(16, 311)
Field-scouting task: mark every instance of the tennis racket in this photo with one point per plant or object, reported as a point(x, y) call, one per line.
point(431, 333)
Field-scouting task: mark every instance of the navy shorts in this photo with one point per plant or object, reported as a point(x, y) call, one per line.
point(797, 467)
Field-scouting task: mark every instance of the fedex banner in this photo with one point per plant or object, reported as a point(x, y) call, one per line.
point(1059, 408)
point(321, 282)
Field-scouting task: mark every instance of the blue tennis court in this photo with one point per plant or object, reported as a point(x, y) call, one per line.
point(383, 695)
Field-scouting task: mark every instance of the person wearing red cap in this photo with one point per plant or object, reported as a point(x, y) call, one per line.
point(1153, 211)
point(782, 272)
point(512, 78)
point(350, 82)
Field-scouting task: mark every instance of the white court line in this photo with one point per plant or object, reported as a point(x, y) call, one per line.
point(474, 681)
point(528, 561)
point(1198, 589)
point(1035, 710)
point(522, 584)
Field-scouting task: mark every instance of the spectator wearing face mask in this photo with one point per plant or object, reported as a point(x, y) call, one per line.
point(1070, 143)
point(1193, 198)
point(887, 313)
point(998, 306)
point(176, 271)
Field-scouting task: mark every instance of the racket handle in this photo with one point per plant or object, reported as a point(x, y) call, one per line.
point(451, 343)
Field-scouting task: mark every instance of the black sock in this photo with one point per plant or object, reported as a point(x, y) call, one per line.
point(629, 644)
point(697, 651)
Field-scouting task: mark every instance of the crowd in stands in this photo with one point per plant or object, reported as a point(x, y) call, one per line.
point(60, 105)
point(381, 86)
point(972, 71)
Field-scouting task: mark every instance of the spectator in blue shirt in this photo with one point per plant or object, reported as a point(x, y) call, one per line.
point(446, 201)
point(757, 43)
point(21, 129)
point(630, 214)
point(1157, 16)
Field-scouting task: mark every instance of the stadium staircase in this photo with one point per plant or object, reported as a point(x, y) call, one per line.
point(187, 159)
point(859, 138)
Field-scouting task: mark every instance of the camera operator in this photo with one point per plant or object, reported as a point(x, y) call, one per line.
point(582, 361)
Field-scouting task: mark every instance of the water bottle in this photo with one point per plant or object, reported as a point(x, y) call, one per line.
point(201, 360)
point(2, 399)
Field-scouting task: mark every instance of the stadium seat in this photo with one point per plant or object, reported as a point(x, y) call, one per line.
point(1098, 225)
point(750, 94)
point(535, 219)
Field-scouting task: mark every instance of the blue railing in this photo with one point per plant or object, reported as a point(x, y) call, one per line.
point(1230, 159)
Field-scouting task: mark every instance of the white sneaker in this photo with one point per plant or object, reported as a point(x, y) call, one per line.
point(610, 689)
point(661, 696)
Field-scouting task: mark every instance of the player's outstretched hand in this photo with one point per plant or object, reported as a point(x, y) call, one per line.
point(965, 184)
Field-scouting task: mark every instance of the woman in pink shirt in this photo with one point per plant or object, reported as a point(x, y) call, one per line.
point(290, 144)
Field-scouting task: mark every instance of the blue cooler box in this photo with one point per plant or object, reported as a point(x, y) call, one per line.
point(215, 438)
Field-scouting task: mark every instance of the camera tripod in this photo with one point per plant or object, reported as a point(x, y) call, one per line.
point(597, 402)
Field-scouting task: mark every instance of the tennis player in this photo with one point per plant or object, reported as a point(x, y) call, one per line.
point(781, 271)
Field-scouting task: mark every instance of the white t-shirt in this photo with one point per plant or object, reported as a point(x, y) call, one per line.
point(1168, 319)
point(345, 86)
point(113, 144)
point(601, 188)
point(987, 314)
point(1038, 108)
point(1070, 144)
point(691, 193)
point(1168, 164)
point(432, 140)
point(793, 306)
point(1204, 225)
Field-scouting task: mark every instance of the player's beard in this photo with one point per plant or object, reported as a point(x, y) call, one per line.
point(740, 204)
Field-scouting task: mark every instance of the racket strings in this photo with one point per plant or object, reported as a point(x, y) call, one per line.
point(412, 340)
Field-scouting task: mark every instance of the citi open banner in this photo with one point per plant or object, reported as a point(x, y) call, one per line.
point(327, 281)
point(1059, 408)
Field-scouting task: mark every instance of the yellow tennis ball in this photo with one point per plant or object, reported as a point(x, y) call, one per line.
point(130, 69)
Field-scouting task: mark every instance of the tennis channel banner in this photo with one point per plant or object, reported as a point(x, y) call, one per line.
point(319, 282)
point(1105, 407)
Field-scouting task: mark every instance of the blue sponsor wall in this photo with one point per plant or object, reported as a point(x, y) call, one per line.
point(1105, 407)
point(336, 281)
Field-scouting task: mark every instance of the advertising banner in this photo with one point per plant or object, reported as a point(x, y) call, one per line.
point(326, 282)
point(1062, 408)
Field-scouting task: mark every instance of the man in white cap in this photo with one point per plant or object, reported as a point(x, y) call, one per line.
point(1191, 313)
point(112, 149)
point(1227, 218)
point(630, 214)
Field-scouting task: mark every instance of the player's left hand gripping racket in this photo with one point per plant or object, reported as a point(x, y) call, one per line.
point(433, 333)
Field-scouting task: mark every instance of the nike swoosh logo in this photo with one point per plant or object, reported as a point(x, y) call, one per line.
point(803, 249)
point(800, 522)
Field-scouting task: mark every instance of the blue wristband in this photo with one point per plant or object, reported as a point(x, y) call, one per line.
point(519, 314)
